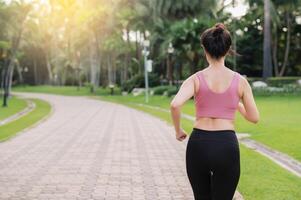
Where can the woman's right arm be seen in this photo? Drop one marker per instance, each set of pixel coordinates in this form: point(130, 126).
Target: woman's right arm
point(248, 106)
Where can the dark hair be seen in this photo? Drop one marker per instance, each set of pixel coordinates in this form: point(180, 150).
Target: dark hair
point(217, 41)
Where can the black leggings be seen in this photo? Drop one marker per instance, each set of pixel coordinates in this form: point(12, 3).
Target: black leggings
point(213, 164)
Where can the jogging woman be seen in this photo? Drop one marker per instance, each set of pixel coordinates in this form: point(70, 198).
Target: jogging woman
point(212, 153)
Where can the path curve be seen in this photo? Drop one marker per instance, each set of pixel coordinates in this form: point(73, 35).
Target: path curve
point(30, 107)
point(89, 149)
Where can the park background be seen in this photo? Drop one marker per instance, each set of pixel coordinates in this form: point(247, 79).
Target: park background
point(113, 50)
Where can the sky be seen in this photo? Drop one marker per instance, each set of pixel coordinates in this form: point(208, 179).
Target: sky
point(239, 10)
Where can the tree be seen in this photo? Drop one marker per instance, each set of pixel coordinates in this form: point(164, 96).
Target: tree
point(15, 15)
point(267, 56)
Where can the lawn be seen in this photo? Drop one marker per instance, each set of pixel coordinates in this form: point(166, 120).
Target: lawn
point(64, 90)
point(15, 105)
point(41, 110)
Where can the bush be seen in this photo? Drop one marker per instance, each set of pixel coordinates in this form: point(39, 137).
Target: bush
point(137, 81)
point(71, 81)
point(277, 81)
point(172, 91)
point(288, 89)
point(159, 90)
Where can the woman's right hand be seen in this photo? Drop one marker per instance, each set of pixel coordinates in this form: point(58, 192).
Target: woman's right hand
point(241, 109)
point(181, 135)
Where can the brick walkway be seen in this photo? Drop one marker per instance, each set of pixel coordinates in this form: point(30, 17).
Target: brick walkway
point(90, 149)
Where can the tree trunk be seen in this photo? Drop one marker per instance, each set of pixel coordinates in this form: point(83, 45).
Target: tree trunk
point(267, 58)
point(2, 78)
point(195, 62)
point(114, 67)
point(128, 55)
point(5, 83)
point(35, 71)
point(19, 72)
point(275, 59)
point(93, 63)
point(10, 74)
point(287, 45)
point(169, 70)
point(109, 67)
point(180, 70)
point(98, 58)
point(48, 65)
point(138, 53)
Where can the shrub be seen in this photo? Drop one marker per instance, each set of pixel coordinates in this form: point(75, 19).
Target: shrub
point(159, 90)
point(137, 81)
point(172, 91)
point(288, 89)
point(277, 81)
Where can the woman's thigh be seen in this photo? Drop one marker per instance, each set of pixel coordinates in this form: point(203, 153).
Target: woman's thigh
point(226, 172)
point(213, 164)
point(198, 171)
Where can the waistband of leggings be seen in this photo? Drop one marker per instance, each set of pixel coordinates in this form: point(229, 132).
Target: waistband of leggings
point(214, 131)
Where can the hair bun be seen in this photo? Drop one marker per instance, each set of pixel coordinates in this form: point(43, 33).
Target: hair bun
point(219, 29)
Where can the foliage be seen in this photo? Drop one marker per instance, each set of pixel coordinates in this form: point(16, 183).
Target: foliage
point(288, 89)
point(172, 91)
point(160, 90)
point(102, 40)
point(137, 81)
point(277, 81)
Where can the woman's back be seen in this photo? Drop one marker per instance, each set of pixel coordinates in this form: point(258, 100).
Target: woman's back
point(215, 110)
point(217, 95)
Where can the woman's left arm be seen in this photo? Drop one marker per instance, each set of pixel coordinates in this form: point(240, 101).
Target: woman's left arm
point(186, 92)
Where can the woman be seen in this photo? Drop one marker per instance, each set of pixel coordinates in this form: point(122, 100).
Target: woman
point(212, 153)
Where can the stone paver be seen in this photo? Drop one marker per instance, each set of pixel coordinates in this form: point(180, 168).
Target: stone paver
point(90, 149)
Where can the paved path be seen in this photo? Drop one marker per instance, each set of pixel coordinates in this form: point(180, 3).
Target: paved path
point(90, 149)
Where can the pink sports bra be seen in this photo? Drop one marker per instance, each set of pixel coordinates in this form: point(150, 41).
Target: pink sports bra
point(216, 105)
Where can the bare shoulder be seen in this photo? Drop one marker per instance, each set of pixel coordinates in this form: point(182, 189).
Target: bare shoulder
point(243, 80)
point(194, 80)
point(191, 78)
point(242, 84)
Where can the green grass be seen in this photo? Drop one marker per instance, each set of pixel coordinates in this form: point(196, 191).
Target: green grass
point(64, 90)
point(11, 129)
point(260, 177)
point(279, 125)
point(15, 105)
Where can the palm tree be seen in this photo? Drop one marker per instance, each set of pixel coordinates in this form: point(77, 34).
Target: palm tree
point(267, 56)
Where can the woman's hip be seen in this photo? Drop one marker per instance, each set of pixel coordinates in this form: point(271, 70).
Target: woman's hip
point(225, 136)
point(213, 146)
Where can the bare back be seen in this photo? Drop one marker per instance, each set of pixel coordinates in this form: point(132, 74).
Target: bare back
point(218, 81)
